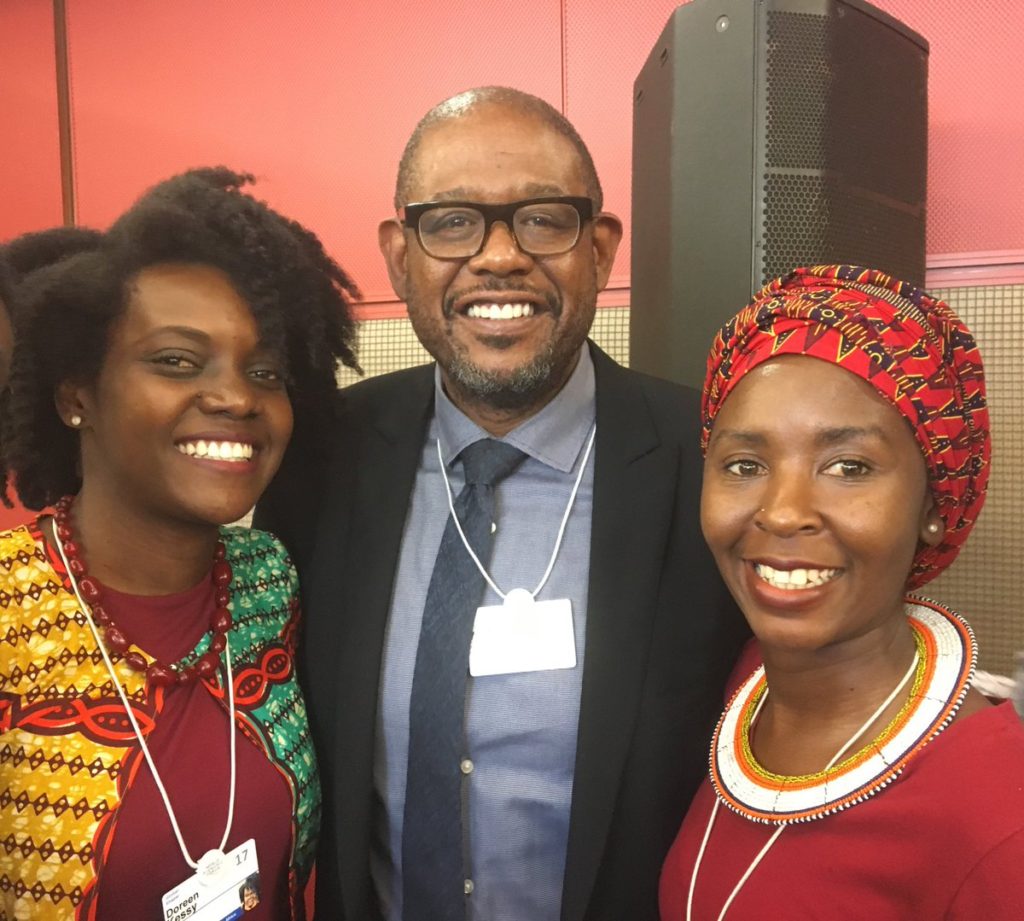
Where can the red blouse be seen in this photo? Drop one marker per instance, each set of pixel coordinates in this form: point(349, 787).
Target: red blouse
point(944, 841)
point(190, 748)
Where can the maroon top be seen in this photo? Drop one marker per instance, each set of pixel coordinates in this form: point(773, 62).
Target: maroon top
point(190, 748)
point(945, 840)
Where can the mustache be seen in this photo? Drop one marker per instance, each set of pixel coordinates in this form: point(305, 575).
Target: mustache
point(549, 299)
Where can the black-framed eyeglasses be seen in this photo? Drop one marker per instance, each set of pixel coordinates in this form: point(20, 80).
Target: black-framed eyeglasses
point(458, 229)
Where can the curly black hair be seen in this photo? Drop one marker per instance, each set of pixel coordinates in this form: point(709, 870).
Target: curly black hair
point(40, 248)
point(300, 298)
point(6, 280)
point(6, 320)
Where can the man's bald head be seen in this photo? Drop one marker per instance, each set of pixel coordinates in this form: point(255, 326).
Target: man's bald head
point(501, 97)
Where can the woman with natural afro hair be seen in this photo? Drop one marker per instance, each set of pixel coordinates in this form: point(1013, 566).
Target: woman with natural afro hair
point(147, 688)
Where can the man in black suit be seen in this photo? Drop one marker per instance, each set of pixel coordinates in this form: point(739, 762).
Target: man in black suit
point(574, 778)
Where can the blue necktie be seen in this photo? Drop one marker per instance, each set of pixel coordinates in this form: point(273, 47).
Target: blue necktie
point(433, 868)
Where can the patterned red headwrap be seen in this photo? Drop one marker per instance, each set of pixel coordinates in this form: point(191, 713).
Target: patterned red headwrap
point(913, 349)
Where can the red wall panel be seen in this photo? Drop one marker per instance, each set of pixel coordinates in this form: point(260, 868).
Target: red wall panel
point(605, 47)
point(315, 97)
point(975, 122)
point(30, 188)
point(30, 191)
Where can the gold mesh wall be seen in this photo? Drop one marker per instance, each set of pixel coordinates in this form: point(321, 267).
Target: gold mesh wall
point(986, 584)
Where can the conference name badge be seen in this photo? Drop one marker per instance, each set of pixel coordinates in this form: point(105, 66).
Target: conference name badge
point(522, 635)
point(222, 896)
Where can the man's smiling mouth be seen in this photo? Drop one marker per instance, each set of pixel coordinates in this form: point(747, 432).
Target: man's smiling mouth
point(493, 311)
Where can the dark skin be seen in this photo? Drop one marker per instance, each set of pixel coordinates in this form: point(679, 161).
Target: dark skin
point(812, 713)
point(497, 154)
point(185, 366)
point(815, 502)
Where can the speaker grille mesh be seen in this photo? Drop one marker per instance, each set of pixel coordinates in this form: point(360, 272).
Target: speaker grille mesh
point(817, 219)
point(799, 81)
point(843, 155)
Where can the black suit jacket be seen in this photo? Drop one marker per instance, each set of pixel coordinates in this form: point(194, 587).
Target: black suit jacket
point(662, 632)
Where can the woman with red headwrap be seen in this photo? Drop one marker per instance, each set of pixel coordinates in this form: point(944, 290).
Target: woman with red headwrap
point(846, 457)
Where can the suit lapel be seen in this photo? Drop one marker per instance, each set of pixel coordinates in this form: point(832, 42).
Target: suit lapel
point(378, 470)
point(634, 481)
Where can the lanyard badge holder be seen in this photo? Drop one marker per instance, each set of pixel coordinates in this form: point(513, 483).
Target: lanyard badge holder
point(217, 890)
point(522, 634)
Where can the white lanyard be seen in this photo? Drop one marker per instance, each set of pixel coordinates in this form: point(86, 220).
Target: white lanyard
point(775, 835)
point(211, 859)
point(561, 529)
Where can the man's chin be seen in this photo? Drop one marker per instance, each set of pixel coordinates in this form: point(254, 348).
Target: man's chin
point(505, 388)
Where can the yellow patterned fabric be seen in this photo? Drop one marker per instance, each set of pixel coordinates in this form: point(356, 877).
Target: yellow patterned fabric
point(64, 734)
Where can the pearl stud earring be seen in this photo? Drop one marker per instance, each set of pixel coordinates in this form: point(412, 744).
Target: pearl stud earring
point(76, 420)
point(933, 527)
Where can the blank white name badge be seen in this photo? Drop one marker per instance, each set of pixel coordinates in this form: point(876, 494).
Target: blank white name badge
point(224, 891)
point(522, 635)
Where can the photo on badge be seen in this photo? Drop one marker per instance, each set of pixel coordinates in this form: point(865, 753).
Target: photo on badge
point(249, 892)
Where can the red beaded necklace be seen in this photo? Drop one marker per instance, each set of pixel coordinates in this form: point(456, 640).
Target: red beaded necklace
point(157, 672)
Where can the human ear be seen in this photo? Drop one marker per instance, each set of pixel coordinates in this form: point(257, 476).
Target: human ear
point(73, 404)
point(606, 236)
point(933, 528)
point(395, 249)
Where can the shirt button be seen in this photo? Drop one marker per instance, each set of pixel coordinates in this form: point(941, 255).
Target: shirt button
point(467, 887)
point(466, 766)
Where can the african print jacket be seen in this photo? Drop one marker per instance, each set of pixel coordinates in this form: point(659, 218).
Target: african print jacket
point(67, 749)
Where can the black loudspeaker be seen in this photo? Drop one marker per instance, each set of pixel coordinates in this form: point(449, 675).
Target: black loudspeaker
point(769, 134)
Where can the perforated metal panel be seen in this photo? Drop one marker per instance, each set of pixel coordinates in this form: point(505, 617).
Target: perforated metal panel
point(986, 583)
point(843, 142)
point(798, 87)
point(815, 219)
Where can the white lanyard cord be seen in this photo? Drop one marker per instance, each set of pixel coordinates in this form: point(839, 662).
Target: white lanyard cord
point(714, 809)
point(138, 732)
point(561, 529)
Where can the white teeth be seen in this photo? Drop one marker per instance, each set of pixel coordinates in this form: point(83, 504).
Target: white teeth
point(794, 579)
point(231, 451)
point(499, 311)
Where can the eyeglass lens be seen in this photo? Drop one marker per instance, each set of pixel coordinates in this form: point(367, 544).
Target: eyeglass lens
point(540, 229)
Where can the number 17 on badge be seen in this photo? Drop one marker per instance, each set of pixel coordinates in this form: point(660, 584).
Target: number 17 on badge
point(224, 896)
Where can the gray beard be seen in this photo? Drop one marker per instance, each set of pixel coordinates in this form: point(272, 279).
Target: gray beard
point(518, 389)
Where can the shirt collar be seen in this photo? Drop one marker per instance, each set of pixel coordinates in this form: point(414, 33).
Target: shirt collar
point(555, 436)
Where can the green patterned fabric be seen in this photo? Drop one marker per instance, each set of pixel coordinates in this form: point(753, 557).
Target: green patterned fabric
point(54, 692)
point(265, 609)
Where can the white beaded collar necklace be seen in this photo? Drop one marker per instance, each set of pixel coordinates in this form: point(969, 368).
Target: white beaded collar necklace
point(947, 657)
point(942, 669)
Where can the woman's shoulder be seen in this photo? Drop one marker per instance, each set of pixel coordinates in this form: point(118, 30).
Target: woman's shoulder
point(975, 768)
point(14, 540)
point(991, 731)
point(251, 547)
point(258, 561)
point(22, 555)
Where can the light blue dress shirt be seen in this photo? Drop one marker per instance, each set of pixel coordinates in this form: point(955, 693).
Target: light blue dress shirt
point(520, 729)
